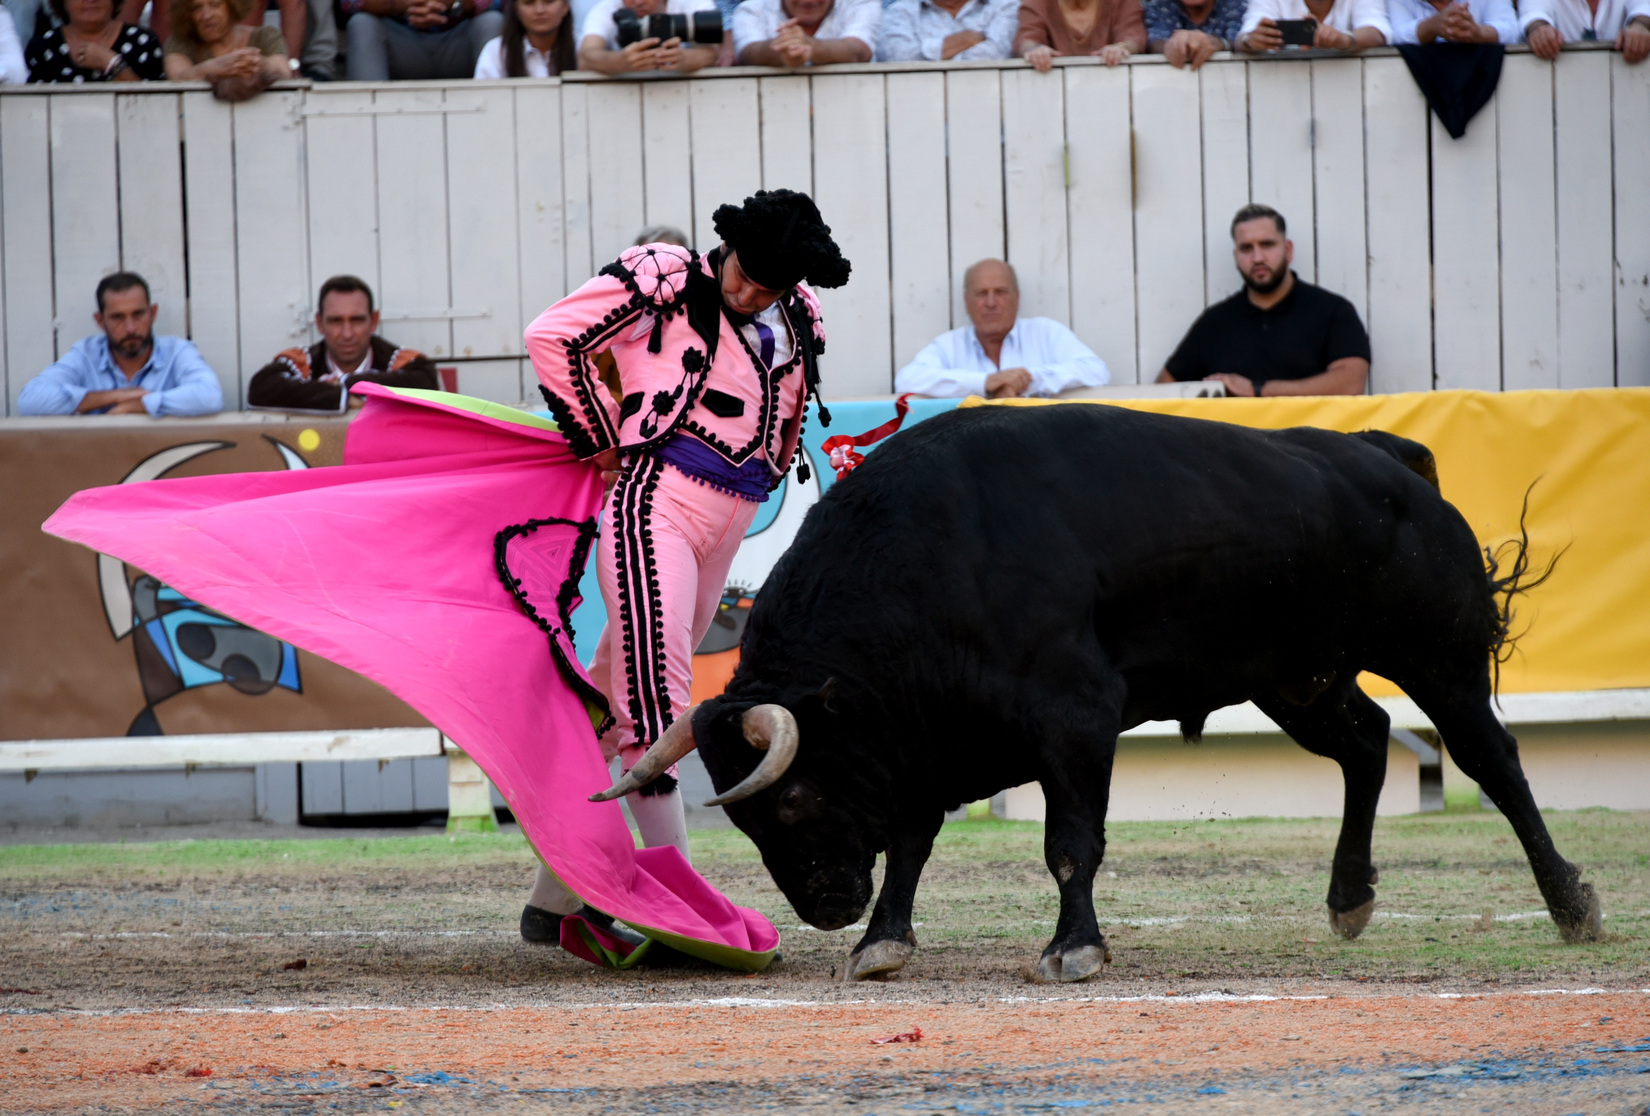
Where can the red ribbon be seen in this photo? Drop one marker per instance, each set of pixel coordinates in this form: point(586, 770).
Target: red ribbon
point(845, 458)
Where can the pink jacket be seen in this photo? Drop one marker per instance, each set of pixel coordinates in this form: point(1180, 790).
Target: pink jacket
point(654, 308)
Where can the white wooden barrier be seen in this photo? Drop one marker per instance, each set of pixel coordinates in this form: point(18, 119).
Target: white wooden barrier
point(1517, 257)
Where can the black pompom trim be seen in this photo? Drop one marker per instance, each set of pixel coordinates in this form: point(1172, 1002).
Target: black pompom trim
point(564, 600)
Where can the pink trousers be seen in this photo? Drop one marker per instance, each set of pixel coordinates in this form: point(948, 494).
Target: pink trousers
point(666, 545)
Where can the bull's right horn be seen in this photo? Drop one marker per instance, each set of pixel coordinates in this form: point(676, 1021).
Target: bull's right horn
point(676, 742)
point(771, 729)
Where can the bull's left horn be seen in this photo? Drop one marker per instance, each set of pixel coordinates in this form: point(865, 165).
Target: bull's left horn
point(672, 746)
point(770, 729)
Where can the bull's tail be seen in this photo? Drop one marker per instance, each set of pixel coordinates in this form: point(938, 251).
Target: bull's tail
point(1514, 554)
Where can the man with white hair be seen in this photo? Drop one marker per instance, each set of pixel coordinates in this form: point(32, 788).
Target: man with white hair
point(1000, 353)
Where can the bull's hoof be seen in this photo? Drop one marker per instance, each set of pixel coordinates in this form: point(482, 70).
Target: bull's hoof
point(878, 960)
point(1588, 928)
point(1349, 924)
point(1071, 965)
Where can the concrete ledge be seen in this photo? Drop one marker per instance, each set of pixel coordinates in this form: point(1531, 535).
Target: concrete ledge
point(218, 749)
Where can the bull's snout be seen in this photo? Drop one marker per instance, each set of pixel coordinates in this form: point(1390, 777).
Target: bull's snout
point(834, 910)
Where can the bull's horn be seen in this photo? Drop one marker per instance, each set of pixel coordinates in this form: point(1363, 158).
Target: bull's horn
point(672, 746)
point(770, 729)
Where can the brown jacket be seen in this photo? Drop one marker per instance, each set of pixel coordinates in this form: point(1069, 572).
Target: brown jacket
point(295, 378)
point(1042, 23)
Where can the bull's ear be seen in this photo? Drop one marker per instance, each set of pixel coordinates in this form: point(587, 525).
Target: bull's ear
point(826, 693)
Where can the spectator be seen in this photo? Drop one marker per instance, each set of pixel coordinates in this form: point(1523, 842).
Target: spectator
point(1279, 335)
point(293, 22)
point(398, 40)
point(1000, 353)
point(349, 352)
point(1342, 24)
point(794, 33)
point(25, 15)
point(93, 45)
point(599, 48)
point(1189, 34)
point(209, 43)
point(126, 369)
point(1549, 24)
point(537, 42)
point(940, 30)
point(1050, 29)
point(13, 70)
point(1452, 21)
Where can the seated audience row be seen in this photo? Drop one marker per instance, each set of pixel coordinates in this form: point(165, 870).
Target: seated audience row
point(127, 370)
point(1279, 335)
point(225, 43)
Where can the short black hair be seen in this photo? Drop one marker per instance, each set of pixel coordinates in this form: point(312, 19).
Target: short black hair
point(121, 281)
point(344, 284)
point(1254, 212)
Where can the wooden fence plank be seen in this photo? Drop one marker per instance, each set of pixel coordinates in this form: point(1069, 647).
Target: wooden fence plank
point(576, 185)
point(26, 239)
point(1338, 167)
point(342, 172)
point(1529, 237)
point(1465, 256)
point(151, 202)
point(1280, 152)
point(727, 137)
point(974, 146)
point(85, 218)
point(1630, 95)
point(1100, 215)
point(1224, 87)
point(541, 212)
point(1034, 173)
point(499, 380)
point(413, 244)
point(1168, 183)
point(617, 202)
point(851, 187)
point(667, 159)
point(918, 229)
point(1400, 266)
point(787, 132)
point(1586, 232)
point(481, 221)
point(271, 250)
point(209, 193)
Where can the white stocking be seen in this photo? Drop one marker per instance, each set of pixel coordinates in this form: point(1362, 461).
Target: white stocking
point(660, 818)
point(550, 895)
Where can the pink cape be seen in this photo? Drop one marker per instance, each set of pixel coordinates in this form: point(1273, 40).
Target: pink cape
point(390, 565)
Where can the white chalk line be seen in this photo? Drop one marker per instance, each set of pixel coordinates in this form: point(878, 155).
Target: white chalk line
point(1197, 998)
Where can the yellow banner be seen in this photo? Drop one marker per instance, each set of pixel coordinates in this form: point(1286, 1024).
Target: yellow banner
point(1588, 454)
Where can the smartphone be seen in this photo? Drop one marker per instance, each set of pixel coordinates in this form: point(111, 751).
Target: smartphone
point(1297, 32)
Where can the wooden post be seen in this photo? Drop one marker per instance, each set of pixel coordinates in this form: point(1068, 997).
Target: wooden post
point(469, 795)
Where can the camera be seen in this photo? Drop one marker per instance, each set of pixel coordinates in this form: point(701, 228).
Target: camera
point(693, 27)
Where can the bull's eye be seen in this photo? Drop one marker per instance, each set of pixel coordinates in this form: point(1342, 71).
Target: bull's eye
point(796, 803)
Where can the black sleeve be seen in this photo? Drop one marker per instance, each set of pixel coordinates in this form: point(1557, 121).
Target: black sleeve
point(143, 54)
point(1346, 336)
point(277, 385)
point(35, 56)
point(419, 372)
point(1190, 361)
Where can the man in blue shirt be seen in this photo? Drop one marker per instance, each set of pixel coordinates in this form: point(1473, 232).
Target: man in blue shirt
point(1000, 353)
point(126, 370)
point(1190, 32)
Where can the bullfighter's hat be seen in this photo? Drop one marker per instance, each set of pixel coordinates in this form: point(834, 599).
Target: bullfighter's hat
point(781, 239)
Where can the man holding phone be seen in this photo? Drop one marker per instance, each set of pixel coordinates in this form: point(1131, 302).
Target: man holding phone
point(1348, 25)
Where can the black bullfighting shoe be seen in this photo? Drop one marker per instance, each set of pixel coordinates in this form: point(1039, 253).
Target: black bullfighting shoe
point(543, 927)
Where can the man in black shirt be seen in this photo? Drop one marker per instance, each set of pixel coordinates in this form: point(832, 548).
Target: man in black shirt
point(1279, 335)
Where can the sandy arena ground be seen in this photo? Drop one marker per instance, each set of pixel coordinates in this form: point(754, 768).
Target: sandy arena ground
point(132, 982)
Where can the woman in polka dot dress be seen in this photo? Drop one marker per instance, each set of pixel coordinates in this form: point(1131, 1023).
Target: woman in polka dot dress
point(93, 45)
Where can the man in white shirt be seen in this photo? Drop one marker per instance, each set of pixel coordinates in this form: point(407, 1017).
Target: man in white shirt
point(793, 33)
point(1342, 24)
point(1549, 24)
point(1453, 21)
point(599, 48)
point(1001, 354)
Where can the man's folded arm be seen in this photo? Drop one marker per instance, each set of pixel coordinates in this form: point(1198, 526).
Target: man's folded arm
point(197, 392)
point(53, 392)
point(927, 374)
point(1074, 365)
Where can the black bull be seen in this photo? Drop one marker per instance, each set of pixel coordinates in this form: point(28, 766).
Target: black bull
point(998, 592)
